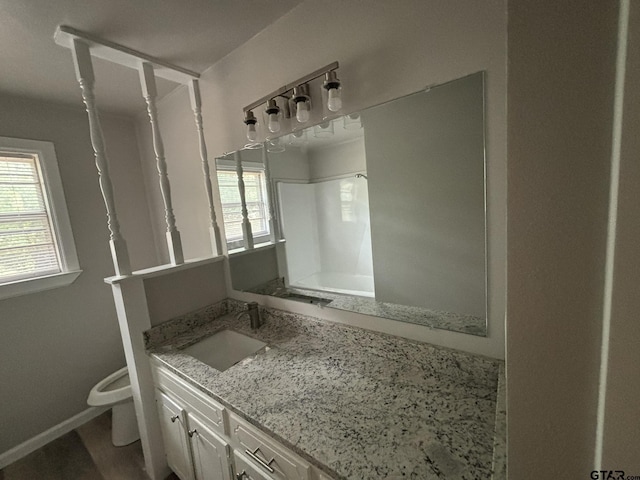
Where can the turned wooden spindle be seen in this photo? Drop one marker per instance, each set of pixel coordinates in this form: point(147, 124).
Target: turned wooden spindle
point(149, 92)
point(196, 106)
point(274, 231)
point(84, 73)
point(247, 234)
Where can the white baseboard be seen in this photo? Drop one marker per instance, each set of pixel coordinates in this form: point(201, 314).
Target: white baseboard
point(40, 440)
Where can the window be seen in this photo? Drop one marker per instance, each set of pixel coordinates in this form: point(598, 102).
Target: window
point(257, 206)
point(37, 251)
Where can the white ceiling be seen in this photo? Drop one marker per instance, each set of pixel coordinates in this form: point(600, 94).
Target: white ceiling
point(190, 33)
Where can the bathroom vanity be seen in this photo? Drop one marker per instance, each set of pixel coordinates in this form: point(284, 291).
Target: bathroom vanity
point(321, 401)
point(200, 435)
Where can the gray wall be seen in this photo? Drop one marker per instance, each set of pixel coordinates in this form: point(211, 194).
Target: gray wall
point(560, 97)
point(55, 345)
point(184, 291)
point(338, 159)
point(292, 164)
point(425, 160)
point(252, 269)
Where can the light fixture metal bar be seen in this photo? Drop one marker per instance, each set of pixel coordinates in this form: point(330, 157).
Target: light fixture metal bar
point(282, 90)
point(276, 93)
point(116, 53)
point(313, 75)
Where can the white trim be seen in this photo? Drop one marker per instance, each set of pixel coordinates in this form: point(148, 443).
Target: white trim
point(616, 145)
point(40, 440)
point(121, 55)
point(230, 165)
point(239, 244)
point(238, 252)
point(38, 284)
point(166, 269)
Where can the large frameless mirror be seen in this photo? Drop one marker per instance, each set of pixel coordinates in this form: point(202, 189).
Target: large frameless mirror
point(379, 212)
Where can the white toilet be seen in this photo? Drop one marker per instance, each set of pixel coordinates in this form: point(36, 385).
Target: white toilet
point(115, 391)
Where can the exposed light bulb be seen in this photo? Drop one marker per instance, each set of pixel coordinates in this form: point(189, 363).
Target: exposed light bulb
point(332, 86)
point(250, 121)
point(302, 112)
point(334, 101)
point(274, 123)
point(252, 135)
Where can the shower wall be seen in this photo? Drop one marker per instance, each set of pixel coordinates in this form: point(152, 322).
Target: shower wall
point(299, 225)
point(326, 222)
point(344, 234)
point(326, 225)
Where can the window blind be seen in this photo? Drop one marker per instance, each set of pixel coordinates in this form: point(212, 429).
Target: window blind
point(27, 243)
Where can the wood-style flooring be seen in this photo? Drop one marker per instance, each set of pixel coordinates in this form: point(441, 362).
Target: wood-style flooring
point(82, 454)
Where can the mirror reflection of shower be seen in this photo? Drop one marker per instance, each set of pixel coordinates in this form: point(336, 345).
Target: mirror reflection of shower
point(334, 253)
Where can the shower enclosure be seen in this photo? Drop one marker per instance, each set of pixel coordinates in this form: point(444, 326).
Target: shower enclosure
point(328, 234)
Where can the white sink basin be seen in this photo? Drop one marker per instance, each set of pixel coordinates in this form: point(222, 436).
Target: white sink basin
point(224, 349)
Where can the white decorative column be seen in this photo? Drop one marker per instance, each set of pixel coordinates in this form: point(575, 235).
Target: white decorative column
point(274, 233)
point(247, 234)
point(149, 92)
point(86, 79)
point(196, 106)
point(133, 316)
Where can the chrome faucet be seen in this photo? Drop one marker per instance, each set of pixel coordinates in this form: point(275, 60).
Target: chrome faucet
point(254, 315)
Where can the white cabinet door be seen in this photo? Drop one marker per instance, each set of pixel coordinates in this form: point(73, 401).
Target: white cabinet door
point(210, 452)
point(172, 420)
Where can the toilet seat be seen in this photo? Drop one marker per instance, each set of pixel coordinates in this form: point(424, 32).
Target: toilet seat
point(113, 389)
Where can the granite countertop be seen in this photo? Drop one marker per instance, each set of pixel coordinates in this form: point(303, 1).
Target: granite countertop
point(356, 403)
point(455, 322)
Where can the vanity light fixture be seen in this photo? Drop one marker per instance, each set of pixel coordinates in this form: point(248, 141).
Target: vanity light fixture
point(297, 100)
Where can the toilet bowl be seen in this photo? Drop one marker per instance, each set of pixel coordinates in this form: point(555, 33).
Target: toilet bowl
point(115, 391)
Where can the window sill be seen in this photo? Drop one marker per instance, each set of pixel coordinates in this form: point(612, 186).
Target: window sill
point(261, 246)
point(39, 284)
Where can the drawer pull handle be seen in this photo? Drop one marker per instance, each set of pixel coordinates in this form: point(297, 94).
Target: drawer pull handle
point(174, 418)
point(266, 465)
point(241, 475)
point(192, 432)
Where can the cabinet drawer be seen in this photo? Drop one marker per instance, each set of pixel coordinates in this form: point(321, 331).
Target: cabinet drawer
point(214, 413)
point(244, 469)
point(264, 453)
